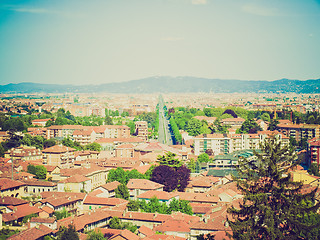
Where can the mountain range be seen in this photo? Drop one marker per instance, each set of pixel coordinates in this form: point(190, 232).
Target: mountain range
point(165, 84)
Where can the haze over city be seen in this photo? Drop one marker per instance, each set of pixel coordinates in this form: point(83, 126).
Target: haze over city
point(81, 42)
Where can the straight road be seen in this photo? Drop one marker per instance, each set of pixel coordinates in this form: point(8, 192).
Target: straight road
point(164, 130)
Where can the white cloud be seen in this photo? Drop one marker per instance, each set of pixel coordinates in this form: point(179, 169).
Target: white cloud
point(199, 2)
point(172, 39)
point(260, 10)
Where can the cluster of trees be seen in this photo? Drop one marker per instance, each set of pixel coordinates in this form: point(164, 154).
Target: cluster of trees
point(61, 214)
point(171, 173)
point(175, 131)
point(38, 170)
point(123, 176)
point(73, 144)
point(273, 207)
point(249, 126)
point(116, 223)
point(154, 205)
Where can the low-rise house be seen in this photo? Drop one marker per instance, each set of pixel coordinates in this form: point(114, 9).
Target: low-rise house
point(174, 227)
point(35, 233)
point(125, 150)
point(97, 175)
point(11, 188)
point(40, 122)
point(53, 173)
point(10, 201)
point(35, 187)
point(198, 198)
point(75, 183)
point(16, 214)
point(24, 153)
point(139, 186)
point(85, 155)
point(92, 203)
point(58, 201)
point(107, 190)
point(165, 197)
point(84, 136)
point(125, 235)
point(48, 222)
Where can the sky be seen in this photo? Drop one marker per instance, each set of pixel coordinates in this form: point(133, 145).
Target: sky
point(101, 41)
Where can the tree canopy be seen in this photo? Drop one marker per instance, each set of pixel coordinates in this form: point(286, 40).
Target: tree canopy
point(273, 207)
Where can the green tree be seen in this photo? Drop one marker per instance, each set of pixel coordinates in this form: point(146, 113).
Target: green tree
point(203, 157)
point(273, 124)
point(205, 237)
point(115, 223)
point(265, 117)
point(249, 126)
point(122, 192)
point(314, 169)
point(272, 206)
point(69, 233)
point(41, 172)
point(61, 214)
point(108, 120)
point(133, 205)
point(191, 165)
point(95, 235)
point(193, 127)
point(169, 160)
point(93, 147)
point(117, 175)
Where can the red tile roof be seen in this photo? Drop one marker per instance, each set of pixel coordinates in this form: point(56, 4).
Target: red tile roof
point(104, 201)
point(75, 179)
point(144, 184)
point(111, 186)
point(173, 226)
point(19, 211)
point(58, 149)
point(32, 233)
point(126, 234)
point(6, 183)
point(7, 201)
point(161, 195)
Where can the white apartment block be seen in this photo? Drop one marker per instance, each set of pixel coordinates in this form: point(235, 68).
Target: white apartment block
point(228, 143)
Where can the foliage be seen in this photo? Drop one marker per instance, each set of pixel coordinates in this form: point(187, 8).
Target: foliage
point(191, 165)
point(154, 205)
point(67, 233)
point(115, 223)
point(93, 147)
point(62, 214)
point(203, 157)
point(249, 126)
point(175, 131)
point(39, 171)
point(171, 173)
point(265, 117)
point(230, 112)
point(28, 217)
point(15, 124)
point(108, 120)
point(273, 205)
point(95, 235)
point(124, 176)
point(169, 160)
point(314, 169)
point(6, 233)
point(205, 237)
point(273, 124)
point(13, 141)
point(122, 192)
point(193, 127)
point(36, 141)
point(69, 143)
point(49, 143)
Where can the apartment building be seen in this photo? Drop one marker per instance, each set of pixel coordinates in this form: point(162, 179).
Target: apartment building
point(142, 130)
point(59, 156)
point(234, 123)
point(314, 150)
point(300, 131)
point(62, 131)
point(228, 143)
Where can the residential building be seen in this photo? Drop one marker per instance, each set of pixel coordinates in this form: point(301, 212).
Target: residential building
point(58, 155)
point(139, 186)
point(234, 123)
point(300, 131)
point(76, 183)
point(11, 188)
point(141, 130)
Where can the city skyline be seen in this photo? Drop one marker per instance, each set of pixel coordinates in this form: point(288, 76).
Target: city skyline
point(77, 42)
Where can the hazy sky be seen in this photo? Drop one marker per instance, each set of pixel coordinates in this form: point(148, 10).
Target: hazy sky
point(100, 41)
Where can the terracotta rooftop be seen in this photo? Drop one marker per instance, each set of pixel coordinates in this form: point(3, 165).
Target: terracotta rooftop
point(19, 211)
point(58, 149)
point(143, 184)
point(104, 201)
point(42, 220)
point(173, 226)
point(75, 179)
point(6, 183)
point(7, 201)
point(111, 186)
point(161, 195)
point(125, 234)
point(32, 233)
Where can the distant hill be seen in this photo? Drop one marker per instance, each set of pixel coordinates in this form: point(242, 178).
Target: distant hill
point(173, 85)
